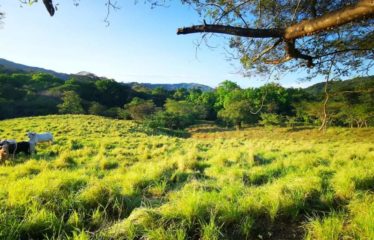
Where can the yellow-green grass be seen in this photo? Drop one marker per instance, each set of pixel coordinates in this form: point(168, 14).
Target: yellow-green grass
point(108, 179)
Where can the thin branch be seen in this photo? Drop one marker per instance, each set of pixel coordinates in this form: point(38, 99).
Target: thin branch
point(344, 51)
point(279, 61)
point(266, 50)
point(109, 5)
point(327, 97)
point(296, 9)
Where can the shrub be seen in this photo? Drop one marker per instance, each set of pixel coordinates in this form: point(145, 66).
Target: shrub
point(140, 109)
point(169, 120)
point(236, 113)
point(270, 119)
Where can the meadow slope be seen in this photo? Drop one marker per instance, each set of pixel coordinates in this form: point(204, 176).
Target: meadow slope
point(109, 179)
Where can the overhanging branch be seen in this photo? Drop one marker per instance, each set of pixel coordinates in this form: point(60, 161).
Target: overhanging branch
point(49, 6)
point(230, 30)
point(363, 9)
point(295, 53)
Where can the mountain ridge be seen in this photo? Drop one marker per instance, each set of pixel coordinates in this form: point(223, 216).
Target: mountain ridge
point(88, 75)
point(25, 68)
point(314, 89)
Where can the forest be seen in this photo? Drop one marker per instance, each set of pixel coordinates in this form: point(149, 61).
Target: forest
point(351, 102)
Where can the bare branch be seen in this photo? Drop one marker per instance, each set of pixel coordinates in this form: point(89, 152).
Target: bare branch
point(49, 6)
point(230, 30)
point(266, 50)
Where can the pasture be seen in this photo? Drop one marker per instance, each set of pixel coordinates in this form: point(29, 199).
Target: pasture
point(109, 179)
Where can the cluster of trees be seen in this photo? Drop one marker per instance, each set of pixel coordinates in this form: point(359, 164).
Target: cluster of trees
point(350, 105)
point(26, 94)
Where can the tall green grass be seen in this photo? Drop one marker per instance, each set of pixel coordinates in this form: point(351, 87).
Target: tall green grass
point(111, 179)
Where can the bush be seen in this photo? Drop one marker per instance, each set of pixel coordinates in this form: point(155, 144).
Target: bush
point(270, 119)
point(237, 113)
point(140, 109)
point(117, 112)
point(163, 119)
point(96, 109)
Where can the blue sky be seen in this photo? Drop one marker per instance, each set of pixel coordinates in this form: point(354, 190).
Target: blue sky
point(139, 45)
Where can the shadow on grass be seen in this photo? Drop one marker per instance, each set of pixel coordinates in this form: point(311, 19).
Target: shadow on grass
point(259, 159)
point(210, 130)
point(302, 128)
point(289, 223)
point(160, 131)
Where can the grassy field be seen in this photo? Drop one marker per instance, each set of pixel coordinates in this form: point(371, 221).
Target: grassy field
point(109, 179)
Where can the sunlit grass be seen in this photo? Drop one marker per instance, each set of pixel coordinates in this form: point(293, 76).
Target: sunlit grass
point(108, 179)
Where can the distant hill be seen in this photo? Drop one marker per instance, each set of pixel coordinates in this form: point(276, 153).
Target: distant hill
point(359, 83)
point(20, 67)
point(316, 89)
point(87, 76)
point(84, 76)
point(174, 86)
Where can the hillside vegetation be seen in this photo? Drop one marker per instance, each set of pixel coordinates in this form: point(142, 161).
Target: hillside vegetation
point(22, 94)
point(109, 179)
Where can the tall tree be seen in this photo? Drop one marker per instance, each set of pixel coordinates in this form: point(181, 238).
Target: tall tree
point(237, 113)
point(71, 103)
point(140, 109)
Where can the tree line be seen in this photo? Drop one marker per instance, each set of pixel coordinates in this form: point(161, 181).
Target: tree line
point(29, 94)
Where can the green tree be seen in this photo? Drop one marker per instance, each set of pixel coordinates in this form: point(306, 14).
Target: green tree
point(357, 115)
point(72, 103)
point(236, 113)
point(180, 94)
point(163, 119)
point(185, 109)
point(112, 93)
point(41, 81)
point(140, 109)
point(276, 99)
point(204, 103)
point(96, 109)
point(159, 96)
point(223, 91)
point(177, 115)
point(270, 119)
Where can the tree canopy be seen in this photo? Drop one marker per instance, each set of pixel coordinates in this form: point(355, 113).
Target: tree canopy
point(29, 94)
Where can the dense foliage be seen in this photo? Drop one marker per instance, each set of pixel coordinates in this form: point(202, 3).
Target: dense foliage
point(28, 94)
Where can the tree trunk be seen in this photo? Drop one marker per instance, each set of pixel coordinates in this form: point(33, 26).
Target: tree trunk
point(238, 125)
